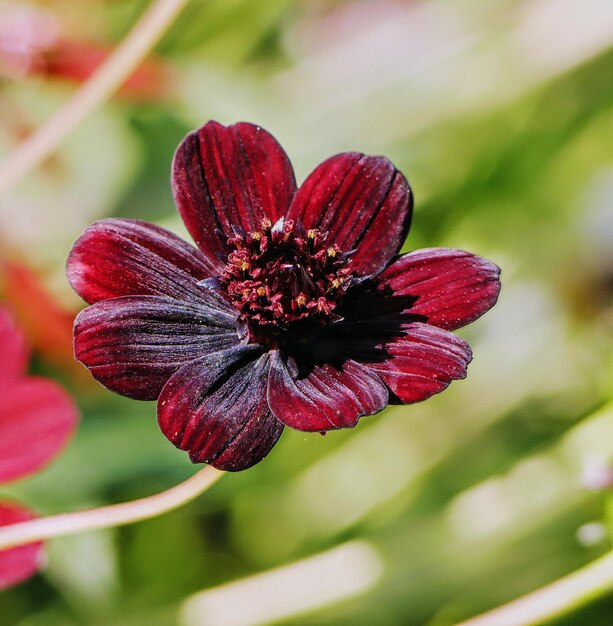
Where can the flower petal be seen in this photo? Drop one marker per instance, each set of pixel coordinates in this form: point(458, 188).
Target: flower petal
point(328, 397)
point(448, 288)
point(364, 202)
point(36, 419)
point(121, 257)
point(13, 348)
point(133, 345)
point(422, 362)
point(18, 564)
point(230, 177)
point(216, 409)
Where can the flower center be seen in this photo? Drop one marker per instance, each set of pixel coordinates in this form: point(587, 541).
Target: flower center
point(280, 275)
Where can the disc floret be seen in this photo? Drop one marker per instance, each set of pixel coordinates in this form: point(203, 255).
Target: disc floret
point(282, 274)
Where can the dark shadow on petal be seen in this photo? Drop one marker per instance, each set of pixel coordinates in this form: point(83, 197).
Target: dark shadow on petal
point(369, 300)
point(380, 333)
point(423, 362)
point(327, 398)
point(370, 319)
point(452, 288)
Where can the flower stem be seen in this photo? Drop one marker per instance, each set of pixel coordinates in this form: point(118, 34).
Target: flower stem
point(555, 600)
point(148, 30)
point(109, 516)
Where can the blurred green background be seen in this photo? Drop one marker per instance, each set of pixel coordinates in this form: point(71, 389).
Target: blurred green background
point(500, 114)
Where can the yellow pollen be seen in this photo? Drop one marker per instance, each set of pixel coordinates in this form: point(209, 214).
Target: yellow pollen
point(257, 236)
point(301, 301)
point(311, 234)
point(331, 252)
point(266, 224)
point(244, 266)
point(261, 292)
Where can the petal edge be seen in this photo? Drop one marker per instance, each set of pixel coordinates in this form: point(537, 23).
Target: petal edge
point(446, 287)
point(422, 362)
point(327, 398)
point(365, 204)
point(216, 409)
point(226, 177)
point(37, 418)
point(121, 257)
point(134, 344)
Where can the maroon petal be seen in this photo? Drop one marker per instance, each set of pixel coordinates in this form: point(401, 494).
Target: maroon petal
point(364, 202)
point(120, 257)
point(18, 564)
point(216, 409)
point(230, 177)
point(422, 362)
point(133, 345)
point(13, 348)
point(36, 419)
point(449, 288)
point(327, 398)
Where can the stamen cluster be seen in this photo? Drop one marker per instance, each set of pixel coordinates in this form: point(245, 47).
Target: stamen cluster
point(282, 274)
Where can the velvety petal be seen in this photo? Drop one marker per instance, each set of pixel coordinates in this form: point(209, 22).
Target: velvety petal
point(36, 419)
point(421, 362)
point(227, 177)
point(216, 409)
point(133, 345)
point(447, 288)
point(364, 202)
point(13, 348)
point(18, 564)
point(120, 257)
point(328, 397)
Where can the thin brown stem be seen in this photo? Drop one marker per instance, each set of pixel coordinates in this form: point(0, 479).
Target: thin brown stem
point(126, 58)
point(109, 516)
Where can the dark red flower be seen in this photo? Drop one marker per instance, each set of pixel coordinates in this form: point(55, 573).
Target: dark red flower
point(36, 419)
point(294, 310)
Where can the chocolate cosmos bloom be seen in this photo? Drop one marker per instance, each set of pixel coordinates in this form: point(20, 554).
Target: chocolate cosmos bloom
point(294, 309)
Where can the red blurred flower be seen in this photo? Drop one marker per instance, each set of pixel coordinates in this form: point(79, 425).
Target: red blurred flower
point(293, 311)
point(36, 419)
point(47, 324)
point(33, 42)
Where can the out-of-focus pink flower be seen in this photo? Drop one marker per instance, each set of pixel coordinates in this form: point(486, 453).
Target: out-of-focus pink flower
point(33, 42)
point(37, 418)
point(25, 32)
point(597, 474)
